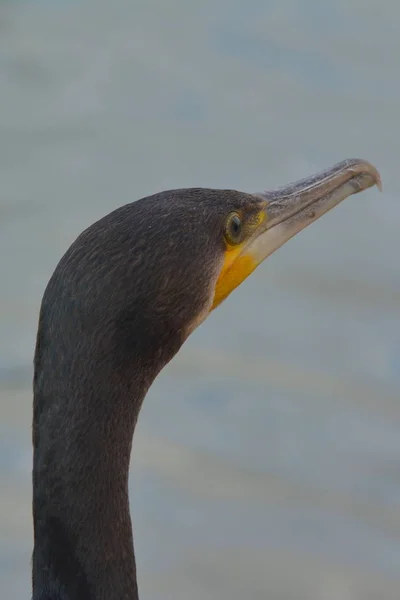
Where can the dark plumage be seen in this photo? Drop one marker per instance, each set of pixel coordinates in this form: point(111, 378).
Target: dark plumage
point(118, 307)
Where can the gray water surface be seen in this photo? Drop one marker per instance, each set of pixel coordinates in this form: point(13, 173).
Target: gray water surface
point(267, 457)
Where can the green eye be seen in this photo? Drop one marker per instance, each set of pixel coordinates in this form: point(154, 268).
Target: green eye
point(234, 229)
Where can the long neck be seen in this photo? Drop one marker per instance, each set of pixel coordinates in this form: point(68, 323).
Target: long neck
point(82, 434)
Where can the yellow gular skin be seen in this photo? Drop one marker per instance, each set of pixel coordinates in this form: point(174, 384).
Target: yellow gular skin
point(234, 270)
point(238, 263)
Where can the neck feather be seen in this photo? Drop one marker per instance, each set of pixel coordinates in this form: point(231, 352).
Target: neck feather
point(82, 436)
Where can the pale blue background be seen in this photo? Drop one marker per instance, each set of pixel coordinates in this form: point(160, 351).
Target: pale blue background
point(267, 457)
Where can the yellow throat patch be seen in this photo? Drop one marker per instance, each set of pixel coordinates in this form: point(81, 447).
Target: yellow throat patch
point(236, 267)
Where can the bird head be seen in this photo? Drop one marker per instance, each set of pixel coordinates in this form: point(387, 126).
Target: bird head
point(136, 283)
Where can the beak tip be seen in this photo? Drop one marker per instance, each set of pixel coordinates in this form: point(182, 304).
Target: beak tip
point(372, 171)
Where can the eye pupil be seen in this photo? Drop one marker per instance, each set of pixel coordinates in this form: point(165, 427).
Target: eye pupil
point(235, 225)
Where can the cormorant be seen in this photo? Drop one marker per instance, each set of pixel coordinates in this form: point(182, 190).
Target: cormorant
point(118, 307)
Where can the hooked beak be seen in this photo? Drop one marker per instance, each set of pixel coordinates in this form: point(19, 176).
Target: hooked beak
point(286, 211)
point(291, 208)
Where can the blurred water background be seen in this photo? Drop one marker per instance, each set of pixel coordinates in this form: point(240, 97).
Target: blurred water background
point(275, 470)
